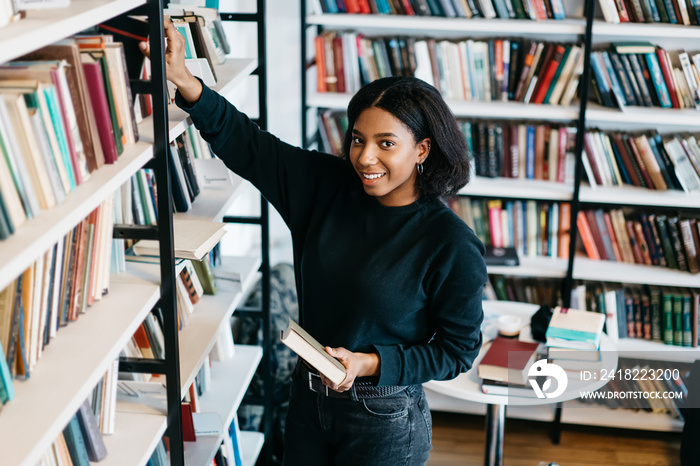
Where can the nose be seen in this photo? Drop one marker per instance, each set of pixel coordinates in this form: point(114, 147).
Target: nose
point(367, 156)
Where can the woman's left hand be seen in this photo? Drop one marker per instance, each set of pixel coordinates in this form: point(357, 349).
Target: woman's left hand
point(356, 365)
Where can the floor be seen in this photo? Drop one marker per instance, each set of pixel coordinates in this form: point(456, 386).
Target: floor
point(458, 439)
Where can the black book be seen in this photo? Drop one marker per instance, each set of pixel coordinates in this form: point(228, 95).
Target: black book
point(623, 79)
point(651, 243)
point(648, 80)
point(666, 243)
point(666, 170)
point(639, 80)
point(513, 68)
point(675, 235)
point(420, 7)
point(501, 256)
point(187, 167)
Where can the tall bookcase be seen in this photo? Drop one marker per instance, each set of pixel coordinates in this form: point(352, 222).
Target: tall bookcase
point(76, 360)
point(589, 30)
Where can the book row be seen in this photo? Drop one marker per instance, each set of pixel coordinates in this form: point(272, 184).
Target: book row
point(645, 160)
point(685, 12)
point(466, 70)
point(640, 238)
point(524, 290)
point(675, 383)
point(533, 228)
point(644, 75)
point(65, 111)
point(503, 9)
point(521, 150)
point(60, 286)
point(662, 314)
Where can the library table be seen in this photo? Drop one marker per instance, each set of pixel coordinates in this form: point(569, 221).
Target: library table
point(467, 386)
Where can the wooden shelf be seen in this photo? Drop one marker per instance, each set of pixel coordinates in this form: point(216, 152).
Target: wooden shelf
point(621, 272)
point(212, 203)
point(251, 445)
point(198, 337)
point(135, 438)
point(229, 382)
point(44, 27)
point(649, 117)
point(516, 188)
point(71, 365)
point(230, 74)
point(39, 234)
point(644, 31)
point(542, 267)
point(633, 195)
point(468, 109)
point(441, 26)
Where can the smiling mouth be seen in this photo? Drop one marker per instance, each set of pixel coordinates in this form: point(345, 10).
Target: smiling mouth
point(372, 176)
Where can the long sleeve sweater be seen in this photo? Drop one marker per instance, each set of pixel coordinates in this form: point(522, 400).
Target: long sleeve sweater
point(404, 282)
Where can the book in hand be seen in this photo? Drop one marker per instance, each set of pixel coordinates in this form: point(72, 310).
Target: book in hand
point(507, 360)
point(311, 351)
point(575, 329)
point(501, 256)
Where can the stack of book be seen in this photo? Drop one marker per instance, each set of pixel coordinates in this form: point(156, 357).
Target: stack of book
point(650, 11)
point(504, 367)
point(573, 340)
point(650, 239)
point(645, 160)
point(467, 70)
point(502, 9)
point(645, 75)
point(533, 228)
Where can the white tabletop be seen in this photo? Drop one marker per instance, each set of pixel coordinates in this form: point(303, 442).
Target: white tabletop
point(467, 386)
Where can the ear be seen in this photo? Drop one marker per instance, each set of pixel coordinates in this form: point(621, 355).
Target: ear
point(423, 150)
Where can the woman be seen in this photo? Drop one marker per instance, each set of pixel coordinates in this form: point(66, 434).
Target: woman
point(387, 276)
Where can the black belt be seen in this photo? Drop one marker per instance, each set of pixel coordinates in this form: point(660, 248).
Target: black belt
point(362, 390)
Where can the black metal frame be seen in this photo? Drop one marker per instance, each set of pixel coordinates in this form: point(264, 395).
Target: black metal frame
point(266, 457)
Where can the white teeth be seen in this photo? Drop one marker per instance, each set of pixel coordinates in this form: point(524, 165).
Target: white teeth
point(373, 176)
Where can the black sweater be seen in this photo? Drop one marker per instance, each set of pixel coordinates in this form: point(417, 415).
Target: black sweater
point(405, 282)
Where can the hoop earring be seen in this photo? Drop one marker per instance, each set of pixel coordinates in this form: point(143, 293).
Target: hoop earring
point(419, 167)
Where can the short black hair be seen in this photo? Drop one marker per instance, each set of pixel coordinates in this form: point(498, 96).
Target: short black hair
point(419, 106)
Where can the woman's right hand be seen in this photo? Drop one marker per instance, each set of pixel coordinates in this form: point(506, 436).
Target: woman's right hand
point(175, 68)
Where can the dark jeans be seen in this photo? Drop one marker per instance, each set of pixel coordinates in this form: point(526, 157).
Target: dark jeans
point(389, 431)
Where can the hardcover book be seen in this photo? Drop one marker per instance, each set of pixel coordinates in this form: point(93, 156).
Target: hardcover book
point(311, 351)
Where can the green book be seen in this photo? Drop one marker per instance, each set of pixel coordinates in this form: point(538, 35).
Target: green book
point(205, 275)
point(112, 106)
point(6, 226)
point(687, 319)
point(59, 129)
point(76, 443)
point(667, 313)
point(656, 314)
point(677, 319)
point(555, 78)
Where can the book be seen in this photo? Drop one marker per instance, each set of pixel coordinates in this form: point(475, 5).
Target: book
point(192, 239)
point(507, 360)
point(501, 256)
point(96, 449)
point(575, 329)
point(311, 351)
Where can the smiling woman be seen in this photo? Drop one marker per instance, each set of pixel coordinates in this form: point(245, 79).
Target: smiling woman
point(387, 275)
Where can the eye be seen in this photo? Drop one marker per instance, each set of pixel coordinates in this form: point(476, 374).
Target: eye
point(356, 140)
point(386, 144)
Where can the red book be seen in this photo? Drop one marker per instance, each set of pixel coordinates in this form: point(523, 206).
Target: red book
point(338, 61)
point(320, 65)
point(352, 6)
point(188, 434)
point(546, 80)
point(507, 360)
point(668, 77)
point(98, 97)
point(640, 163)
point(613, 239)
point(408, 8)
point(588, 149)
point(629, 167)
point(584, 230)
point(636, 251)
point(622, 11)
point(561, 162)
point(364, 6)
point(597, 235)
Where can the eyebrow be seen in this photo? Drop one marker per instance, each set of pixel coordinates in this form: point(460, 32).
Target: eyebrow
point(378, 135)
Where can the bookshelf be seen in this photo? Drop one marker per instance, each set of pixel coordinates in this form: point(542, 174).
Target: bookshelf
point(591, 32)
point(76, 360)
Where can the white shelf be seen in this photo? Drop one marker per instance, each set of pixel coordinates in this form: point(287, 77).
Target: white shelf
point(251, 444)
point(622, 272)
point(518, 189)
point(37, 235)
point(440, 25)
point(651, 117)
point(135, 438)
point(230, 74)
point(42, 28)
point(575, 412)
point(634, 195)
point(198, 337)
point(645, 31)
point(542, 267)
point(212, 203)
point(654, 350)
point(230, 380)
point(69, 368)
point(468, 109)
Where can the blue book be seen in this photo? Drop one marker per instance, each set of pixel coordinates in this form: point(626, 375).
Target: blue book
point(671, 12)
point(331, 6)
point(511, 232)
point(383, 7)
point(657, 78)
point(530, 153)
point(603, 88)
point(7, 390)
point(76, 443)
point(616, 88)
point(655, 16)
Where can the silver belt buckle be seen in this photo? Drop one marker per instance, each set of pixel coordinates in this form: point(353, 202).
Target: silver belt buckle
point(311, 385)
